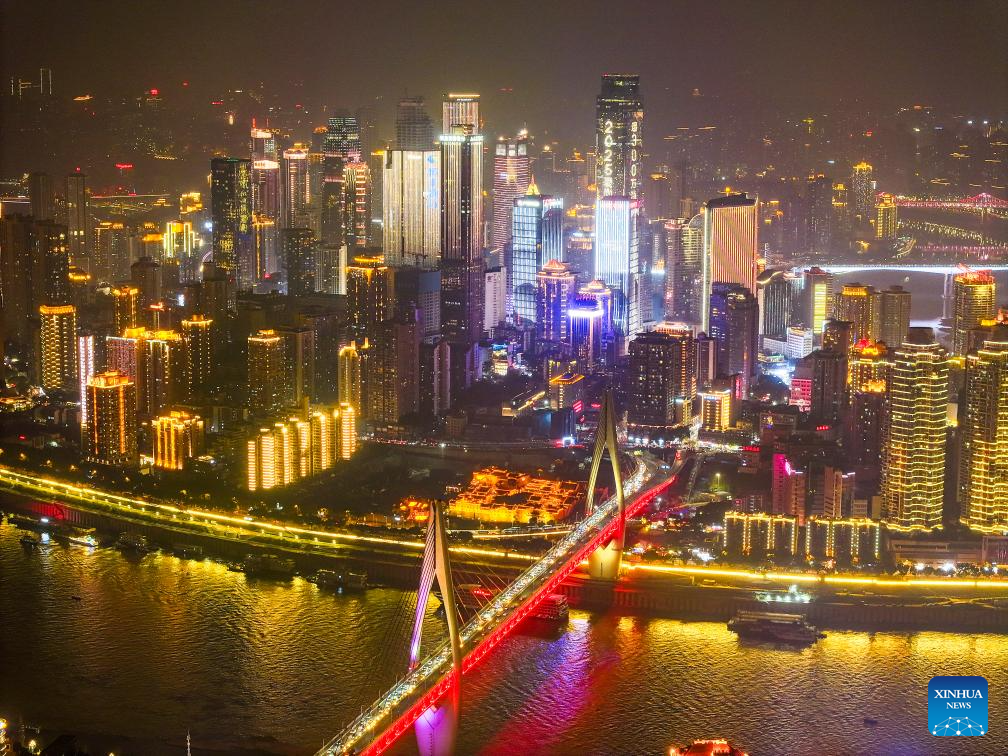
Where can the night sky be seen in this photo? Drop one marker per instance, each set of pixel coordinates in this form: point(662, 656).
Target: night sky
point(788, 55)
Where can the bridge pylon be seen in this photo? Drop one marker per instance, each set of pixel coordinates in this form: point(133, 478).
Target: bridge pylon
point(437, 728)
point(604, 563)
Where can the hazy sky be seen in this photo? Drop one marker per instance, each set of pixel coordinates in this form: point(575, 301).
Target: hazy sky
point(550, 54)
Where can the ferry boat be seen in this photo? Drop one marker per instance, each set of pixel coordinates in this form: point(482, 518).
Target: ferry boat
point(269, 565)
point(133, 542)
point(553, 608)
point(775, 626)
point(83, 539)
point(711, 747)
point(187, 551)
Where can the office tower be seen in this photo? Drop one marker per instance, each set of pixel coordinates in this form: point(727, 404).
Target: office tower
point(511, 178)
point(369, 295)
point(659, 196)
point(112, 251)
point(298, 365)
point(357, 204)
point(347, 431)
point(266, 379)
point(296, 188)
point(838, 336)
point(870, 364)
point(122, 353)
point(78, 220)
point(536, 237)
point(618, 134)
point(859, 305)
point(198, 335)
point(983, 463)
point(864, 430)
point(886, 222)
point(862, 192)
point(343, 139)
point(973, 301)
point(125, 307)
point(777, 290)
point(267, 203)
point(145, 275)
point(411, 208)
point(817, 296)
point(178, 436)
point(730, 240)
point(461, 241)
point(706, 360)
point(460, 109)
point(913, 466)
point(40, 195)
point(34, 265)
point(415, 289)
point(827, 392)
point(162, 372)
point(393, 372)
point(819, 215)
point(297, 246)
point(494, 297)
point(585, 316)
point(414, 128)
point(555, 287)
point(231, 211)
point(717, 407)
point(179, 240)
point(85, 372)
point(349, 375)
point(661, 383)
point(684, 270)
point(734, 325)
point(58, 333)
point(617, 262)
point(111, 419)
point(894, 315)
point(265, 258)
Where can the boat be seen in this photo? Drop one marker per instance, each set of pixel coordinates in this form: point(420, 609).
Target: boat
point(133, 542)
point(553, 608)
point(29, 541)
point(269, 565)
point(342, 581)
point(187, 551)
point(709, 747)
point(870, 721)
point(83, 539)
point(775, 626)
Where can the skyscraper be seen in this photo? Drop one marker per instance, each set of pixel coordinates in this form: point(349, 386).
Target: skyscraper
point(369, 295)
point(85, 372)
point(231, 208)
point(178, 436)
point(266, 365)
point(555, 289)
point(914, 459)
point(973, 301)
point(34, 264)
point(983, 463)
point(197, 333)
point(298, 246)
point(617, 262)
point(859, 305)
point(818, 220)
point(886, 223)
point(734, 325)
point(661, 383)
point(58, 332)
point(777, 291)
point(537, 237)
point(511, 178)
point(460, 109)
point(585, 315)
point(411, 208)
point(296, 188)
point(414, 128)
point(78, 220)
point(357, 204)
point(863, 191)
point(40, 195)
point(894, 315)
point(817, 296)
point(111, 419)
point(684, 270)
point(618, 135)
point(731, 250)
point(111, 251)
point(343, 139)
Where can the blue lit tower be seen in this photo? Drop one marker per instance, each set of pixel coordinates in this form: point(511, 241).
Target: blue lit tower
point(617, 262)
point(734, 325)
point(536, 238)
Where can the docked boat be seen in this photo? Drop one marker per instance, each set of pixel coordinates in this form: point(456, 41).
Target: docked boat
point(710, 747)
point(29, 541)
point(133, 542)
point(341, 581)
point(553, 608)
point(187, 551)
point(774, 626)
point(83, 538)
point(269, 565)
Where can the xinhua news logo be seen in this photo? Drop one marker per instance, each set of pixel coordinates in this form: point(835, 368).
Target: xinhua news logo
point(957, 705)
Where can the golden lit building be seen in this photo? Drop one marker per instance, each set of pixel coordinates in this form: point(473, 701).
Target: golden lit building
point(111, 421)
point(716, 409)
point(870, 363)
point(347, 431)
point(886, 221)
point(369, 291)
point(197, 332)
point(266, 371)
point(973, 301)
point(501, 496)
point(125, 304)
point(349, 384)
point(565, 390)
point(913, 463)
point(859, 305)
point(863, 191)
point(983, 471)
point(58, 335)
point(178, 436)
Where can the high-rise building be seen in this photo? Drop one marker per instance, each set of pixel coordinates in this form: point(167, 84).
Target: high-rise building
point(266, 372)
point(231, 208)
point(411, 208)
point(111, 251)
point(418, 290)
point(511, 178)
point(827, 392)
point(734, 325)
point(555, 287)
point(178, 436)
point(983, 462)
point(298, 246)
point(34, 267)
point(537, 237)
point(870, 364)
point(85, 372)
point(111, 419)
point(585, 316)
point(460, 109)
point(343, 139)
point(296, 188)
point(886, 223)
point(914, 459)
point(369, 294)
point(494, 297)
point(198, 335)
point(973, 301)
point(162, 372)
point(349, 367)
point(661, 383)
point(859, 305)
point(125, 307)
point(58, 333)
point(617, 262)
point(41, 197)
point(298, 381)
point(684, 270)
point(618, 137)
point(818, 220)
point(393, 378)
point(414, 128)
point(777, 290)
point(894, 315)
point(863, 192)
point(817, 300)
point(730, 238)
point(78, 220)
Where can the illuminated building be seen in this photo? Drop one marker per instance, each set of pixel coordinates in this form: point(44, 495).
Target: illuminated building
point(869, 363)
point(78, 220)
point(393, 379)
point(349, 383)
point(178, 436)
point(41, 197)
point(125, 306)
point(369, 294)
point(85, 372)
point(264, 244)
point(819, 215)
point(661, 383)
point(886, 222)
point(122, 353)
point(716, 408)
point(864, 438)
point(983, 471)
point(34, 266)
point(730, 239)
point(853, 540)
point(565, 390)
point(801, 388)
point(266, 366)
point(460, 109)
point(357, 204)
point(555, 287)
point(841, 220)
point(788, 488)
point(111, 419)
point(733, 318)
point(179, 240)
point(894, 315)
point(111, 251)
point(343, 139)
point(859, 305)
point(706, 360)
point(776, 292)
point(231, 208)
point(828, 372)
point(198, 335)
point(914, 459)
point(617, 262)
point(585, 316)
point(494, 297)
point(618, 135)
point(501, 496)
point(145, 274)
point(684, 270)
point(863, 192)
point(579, 253)
point(536, 237)
point(414, 128)
point(411, 207)
point(298, 380)
point(347, 444)
point(162, 372)
point(799, 343)
point(297, 246)
point(973, 302)
point(511, 179)
point(190, 202)
point(759, 534)
point(818, 295)
point(58, 333)
point(296, 188)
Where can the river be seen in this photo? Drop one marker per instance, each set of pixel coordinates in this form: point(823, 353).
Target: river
point(159, 646)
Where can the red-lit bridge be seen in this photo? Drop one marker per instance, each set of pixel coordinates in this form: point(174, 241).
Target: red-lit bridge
point(427, 696)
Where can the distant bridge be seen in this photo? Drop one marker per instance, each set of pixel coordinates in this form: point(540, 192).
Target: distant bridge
point(944, 270)
point(982, 201)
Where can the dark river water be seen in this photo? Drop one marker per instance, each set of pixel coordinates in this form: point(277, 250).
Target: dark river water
point(158, 646)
